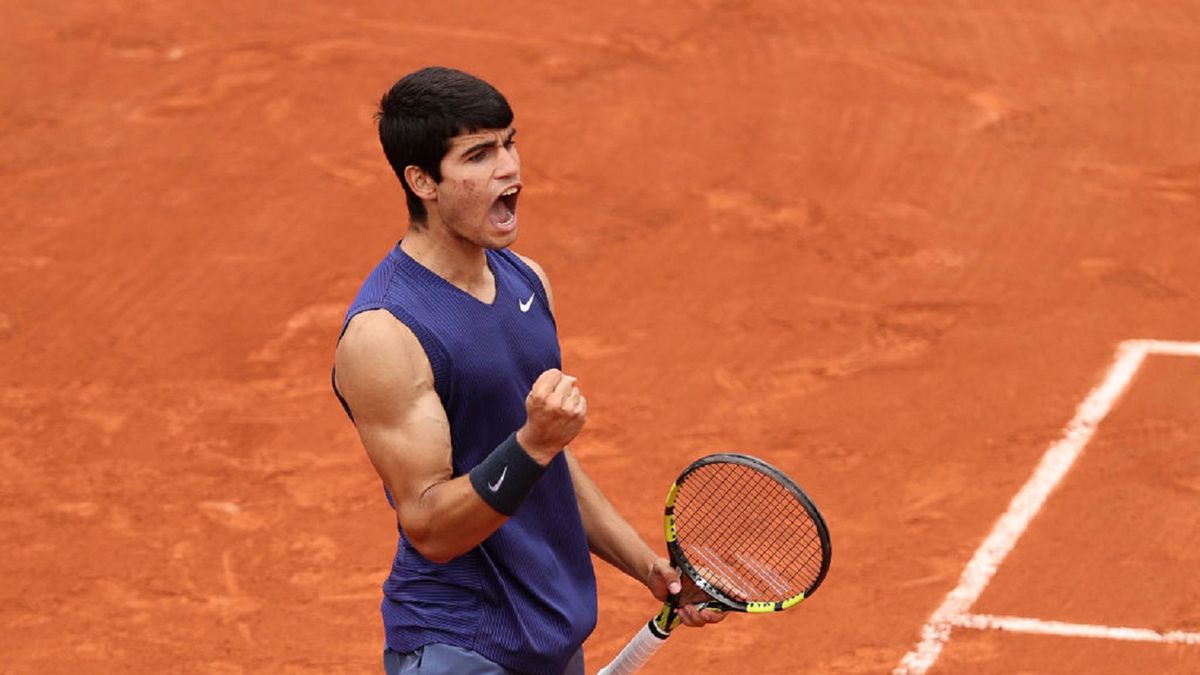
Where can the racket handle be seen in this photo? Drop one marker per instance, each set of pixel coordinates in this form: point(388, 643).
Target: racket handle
point(636, 653)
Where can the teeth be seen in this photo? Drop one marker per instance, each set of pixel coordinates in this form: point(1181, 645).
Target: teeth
point(510, 191)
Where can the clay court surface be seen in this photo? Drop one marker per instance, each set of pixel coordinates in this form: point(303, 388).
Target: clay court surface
point(888, 246)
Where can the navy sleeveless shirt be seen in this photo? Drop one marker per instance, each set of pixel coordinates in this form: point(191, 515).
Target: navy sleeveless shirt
point(526, 597)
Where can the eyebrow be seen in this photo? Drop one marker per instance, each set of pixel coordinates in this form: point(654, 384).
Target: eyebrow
point(486, 144)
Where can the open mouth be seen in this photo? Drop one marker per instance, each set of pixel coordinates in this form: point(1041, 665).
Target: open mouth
point(504, 210)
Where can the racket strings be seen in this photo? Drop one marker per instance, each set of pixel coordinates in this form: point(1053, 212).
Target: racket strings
point(747, 534)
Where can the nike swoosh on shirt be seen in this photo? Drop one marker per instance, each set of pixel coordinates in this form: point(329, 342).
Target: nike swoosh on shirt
point(495, 487)
point(526, 304)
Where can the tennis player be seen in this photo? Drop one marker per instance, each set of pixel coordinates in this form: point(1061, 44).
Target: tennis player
point(449, 366)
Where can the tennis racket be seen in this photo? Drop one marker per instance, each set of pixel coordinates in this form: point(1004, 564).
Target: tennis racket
point(746, 535)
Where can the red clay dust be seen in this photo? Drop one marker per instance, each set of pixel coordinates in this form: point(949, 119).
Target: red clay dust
point(888, 246)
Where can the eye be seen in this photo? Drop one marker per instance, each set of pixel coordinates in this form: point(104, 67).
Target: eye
point(477, 157)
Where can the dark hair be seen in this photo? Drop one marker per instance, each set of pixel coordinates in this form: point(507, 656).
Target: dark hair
point(424, 110)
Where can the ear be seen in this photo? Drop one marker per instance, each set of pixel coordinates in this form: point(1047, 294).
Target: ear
point(420, 182)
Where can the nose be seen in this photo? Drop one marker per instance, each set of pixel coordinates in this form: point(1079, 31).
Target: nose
point(509, 163)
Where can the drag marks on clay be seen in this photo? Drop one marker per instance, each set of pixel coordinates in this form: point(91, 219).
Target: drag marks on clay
point(305, 330)
point(870, 341)
point(876, 252)
point(863, 660)
point(144, 50)
point(493, 36)
point(912, 73)
point(595, 53)
point(873, 244)
point(1142, 280)
point(744, 211)
point(591, 347)
point(232, 516)
point(187, 99)
point(1012, 123)
point(353, 168)
point(228, 73)
point(19, 264)
point(972, 84)
point(837, 456)
point(77, 509)
point(1173, 183)
point(890, 335)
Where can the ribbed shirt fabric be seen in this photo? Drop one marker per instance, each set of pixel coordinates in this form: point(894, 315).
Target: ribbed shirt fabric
point(526, 597)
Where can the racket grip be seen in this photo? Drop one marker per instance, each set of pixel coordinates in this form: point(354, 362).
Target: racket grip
point(635, 654)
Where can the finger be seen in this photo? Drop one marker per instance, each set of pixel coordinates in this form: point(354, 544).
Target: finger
point(687, 615)
point(575, 402)
point(712, 615)
point(565, 385)
point(558, 398)
point(545, 384)
point(690, 616)
point(669, 575)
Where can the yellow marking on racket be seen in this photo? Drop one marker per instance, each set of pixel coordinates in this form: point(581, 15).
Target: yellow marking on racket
point(669, 516)
point(764, 607)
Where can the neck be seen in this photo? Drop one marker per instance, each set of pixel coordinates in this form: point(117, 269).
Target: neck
point(452, 258)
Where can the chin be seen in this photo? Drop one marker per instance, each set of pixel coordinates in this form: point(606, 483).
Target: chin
point(504, 241)
point(497, 239)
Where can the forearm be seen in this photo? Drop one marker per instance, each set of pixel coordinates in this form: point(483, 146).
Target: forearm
point(447, 519)
point(609, 535)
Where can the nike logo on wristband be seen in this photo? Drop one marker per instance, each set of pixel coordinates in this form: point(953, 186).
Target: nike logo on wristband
point(495, 487)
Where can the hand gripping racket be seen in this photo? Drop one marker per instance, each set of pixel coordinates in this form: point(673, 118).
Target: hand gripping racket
point(746, 535)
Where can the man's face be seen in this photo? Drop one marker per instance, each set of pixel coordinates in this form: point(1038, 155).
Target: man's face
point(481, 178)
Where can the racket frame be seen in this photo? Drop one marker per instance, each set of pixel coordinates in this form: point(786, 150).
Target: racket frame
point(654, 633)
point(679, 557)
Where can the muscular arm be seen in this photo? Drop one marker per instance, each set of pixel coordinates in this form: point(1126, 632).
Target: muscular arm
point(385, 377)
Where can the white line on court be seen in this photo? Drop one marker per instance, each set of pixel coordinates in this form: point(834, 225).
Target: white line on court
point(1020, 624)
point(1167, 347)
point(1057, 460)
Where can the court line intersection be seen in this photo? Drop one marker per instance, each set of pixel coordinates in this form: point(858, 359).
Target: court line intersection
point(954, 612)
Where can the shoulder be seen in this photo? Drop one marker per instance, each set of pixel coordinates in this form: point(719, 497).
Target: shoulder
point(374, 328)
point(377, 356)
point(533, 265)
point(541, 274)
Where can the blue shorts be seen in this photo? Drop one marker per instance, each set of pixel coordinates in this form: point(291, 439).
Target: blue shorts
point(447, 660)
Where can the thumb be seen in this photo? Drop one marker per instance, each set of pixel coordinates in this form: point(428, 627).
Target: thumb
point(671, 576)
point(661, 572)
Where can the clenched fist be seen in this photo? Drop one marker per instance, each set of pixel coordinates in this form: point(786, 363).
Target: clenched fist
point(556, 412)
